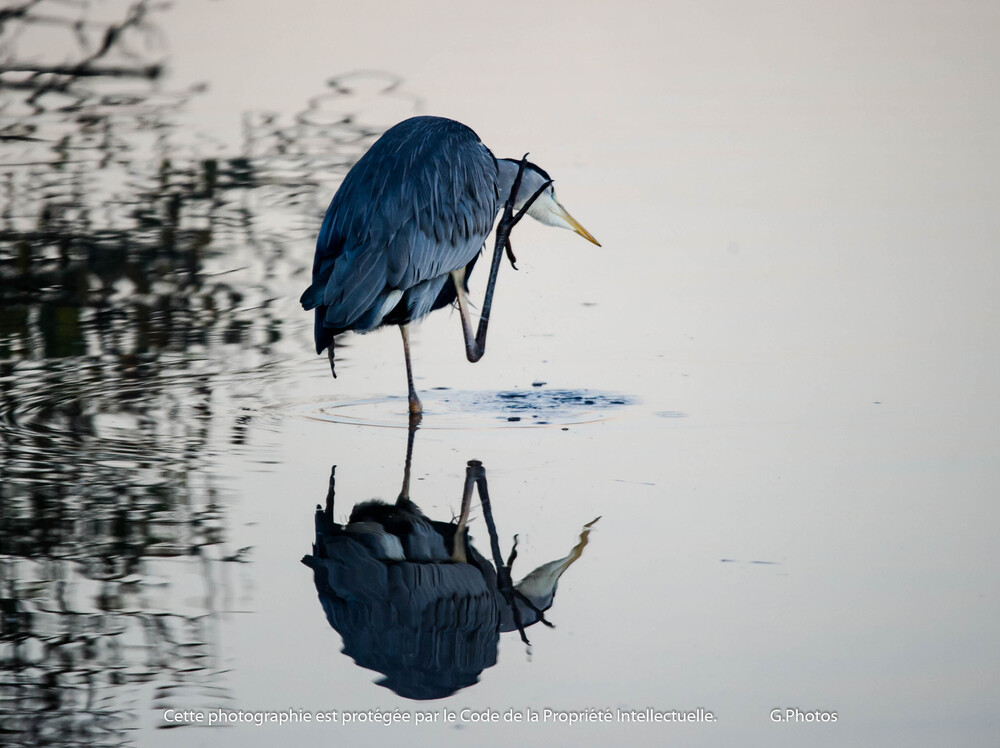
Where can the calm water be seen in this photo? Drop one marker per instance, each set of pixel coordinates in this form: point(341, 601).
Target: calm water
point(774, 384)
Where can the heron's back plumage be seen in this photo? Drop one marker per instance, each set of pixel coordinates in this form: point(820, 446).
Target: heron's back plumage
point(418, 205)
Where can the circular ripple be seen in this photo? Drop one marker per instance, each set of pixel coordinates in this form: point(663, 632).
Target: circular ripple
point(449, 409)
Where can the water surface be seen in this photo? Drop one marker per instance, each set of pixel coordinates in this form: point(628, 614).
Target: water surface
point(773, 384)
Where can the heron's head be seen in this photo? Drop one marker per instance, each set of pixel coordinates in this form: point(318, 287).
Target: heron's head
point(546, 208)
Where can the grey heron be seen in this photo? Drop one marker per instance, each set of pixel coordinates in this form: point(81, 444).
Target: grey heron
point(406, 227)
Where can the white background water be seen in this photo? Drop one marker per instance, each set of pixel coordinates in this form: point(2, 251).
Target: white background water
point(797, 206)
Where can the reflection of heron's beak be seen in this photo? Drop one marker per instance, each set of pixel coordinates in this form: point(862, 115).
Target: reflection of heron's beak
point(574, 224)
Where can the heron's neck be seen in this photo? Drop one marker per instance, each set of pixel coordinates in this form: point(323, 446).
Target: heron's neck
point(506, 174)
point(531, 180)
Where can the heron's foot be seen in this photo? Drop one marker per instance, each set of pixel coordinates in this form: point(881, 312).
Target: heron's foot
point(510, 254)
point(416, 410)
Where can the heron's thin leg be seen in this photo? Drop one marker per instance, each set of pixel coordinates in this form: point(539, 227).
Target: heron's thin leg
point(472, 351)
point(415, 408)
point(475, 348)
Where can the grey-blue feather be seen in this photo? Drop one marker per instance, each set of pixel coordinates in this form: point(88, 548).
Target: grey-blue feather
point(417, 206)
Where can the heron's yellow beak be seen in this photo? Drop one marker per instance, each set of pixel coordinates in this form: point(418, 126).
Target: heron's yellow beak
point(575, 225)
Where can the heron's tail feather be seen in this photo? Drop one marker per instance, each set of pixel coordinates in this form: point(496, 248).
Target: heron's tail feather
point(322, 333)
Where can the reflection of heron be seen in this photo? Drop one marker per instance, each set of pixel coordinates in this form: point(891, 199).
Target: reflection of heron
point(406, 227)
point(413, 599)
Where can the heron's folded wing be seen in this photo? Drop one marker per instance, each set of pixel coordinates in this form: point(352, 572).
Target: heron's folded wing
point(355, 283)
point(418, 205)
point(446, 221)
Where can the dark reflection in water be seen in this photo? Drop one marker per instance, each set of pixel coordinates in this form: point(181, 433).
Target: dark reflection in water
point(413, 599)
point(137, 289)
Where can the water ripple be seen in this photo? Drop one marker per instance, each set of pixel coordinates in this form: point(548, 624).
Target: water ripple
point(452, 409)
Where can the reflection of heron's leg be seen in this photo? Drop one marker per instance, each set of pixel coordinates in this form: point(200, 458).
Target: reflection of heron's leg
point(458, 550)
point(404, 492)
point(331, 493)
point(475, 472)
point(415, 407)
